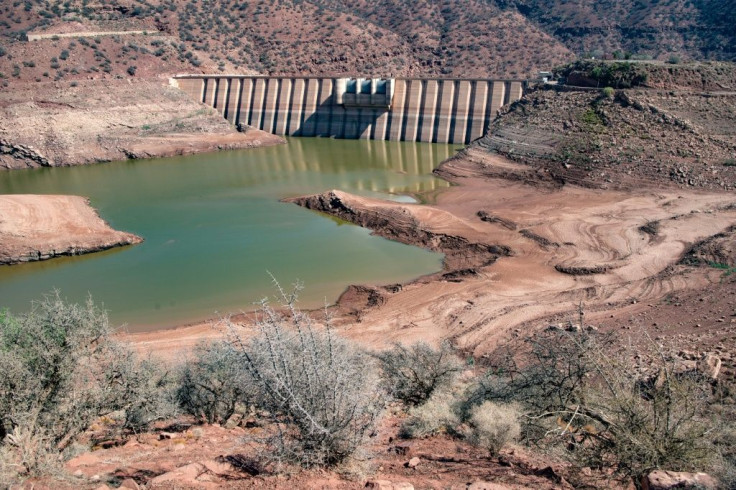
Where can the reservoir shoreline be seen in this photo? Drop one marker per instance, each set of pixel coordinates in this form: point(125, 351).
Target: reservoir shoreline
point(521, 253)
point(34, 227)
point(213, 226)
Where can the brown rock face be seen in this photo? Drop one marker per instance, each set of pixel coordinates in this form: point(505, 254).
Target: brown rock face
point(664, 480)
point(710, 366)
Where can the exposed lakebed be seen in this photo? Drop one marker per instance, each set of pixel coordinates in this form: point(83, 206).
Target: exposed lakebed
point(214, 228)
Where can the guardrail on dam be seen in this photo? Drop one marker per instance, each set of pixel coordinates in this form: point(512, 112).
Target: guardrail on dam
point(428, 110)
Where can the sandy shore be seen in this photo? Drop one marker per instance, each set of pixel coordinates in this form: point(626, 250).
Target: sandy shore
point(35, 227)
point(519, 255)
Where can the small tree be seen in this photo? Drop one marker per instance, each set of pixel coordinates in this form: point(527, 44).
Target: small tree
point(412, 374)
point(320, 391)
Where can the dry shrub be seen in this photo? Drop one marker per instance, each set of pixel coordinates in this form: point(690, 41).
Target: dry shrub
point(411, 374)
point(438, 414)
point(321, 393)
point(578, 392)
point(493, 425)
point(61, 370)
point(214, 382)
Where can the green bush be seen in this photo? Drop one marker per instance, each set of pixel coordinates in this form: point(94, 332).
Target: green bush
point(618, 75)
point(61, 370)
point(608, 92)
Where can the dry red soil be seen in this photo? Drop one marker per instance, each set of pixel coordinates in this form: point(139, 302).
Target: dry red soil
point(521, 255)
point(36, 227)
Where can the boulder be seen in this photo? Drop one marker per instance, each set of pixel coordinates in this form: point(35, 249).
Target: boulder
point(413, 462)
point(665, 480)
point(84, 459)
point(233, 421)
point(129, 484)
point(387, 485)
point(218, 467)
point(710, 365)
point(403, 449)
point(188, 474)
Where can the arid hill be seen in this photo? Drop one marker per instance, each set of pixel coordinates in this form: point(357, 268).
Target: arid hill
point(484, 38)
point(664, 132)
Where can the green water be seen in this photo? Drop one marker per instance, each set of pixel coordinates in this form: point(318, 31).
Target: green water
point(214, 227)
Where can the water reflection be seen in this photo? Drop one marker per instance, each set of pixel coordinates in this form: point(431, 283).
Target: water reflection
point(213, 225)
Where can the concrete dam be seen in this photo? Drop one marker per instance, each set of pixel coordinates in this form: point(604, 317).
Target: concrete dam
point(427, 110)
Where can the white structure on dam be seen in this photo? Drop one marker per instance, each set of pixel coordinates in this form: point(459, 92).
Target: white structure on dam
point(428, 110)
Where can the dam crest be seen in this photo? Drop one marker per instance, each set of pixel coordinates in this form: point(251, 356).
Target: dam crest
point(428, 110)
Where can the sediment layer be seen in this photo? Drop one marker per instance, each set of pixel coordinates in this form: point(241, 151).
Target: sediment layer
point(553, 247)
point(52, 125)
point(34, 227)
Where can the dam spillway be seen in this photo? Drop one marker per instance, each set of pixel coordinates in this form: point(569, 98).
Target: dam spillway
point(426, 110)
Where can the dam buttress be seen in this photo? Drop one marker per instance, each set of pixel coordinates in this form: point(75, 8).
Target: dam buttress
point(428, 110)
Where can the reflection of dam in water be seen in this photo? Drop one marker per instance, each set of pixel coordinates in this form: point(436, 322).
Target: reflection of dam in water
point(213, 229)
point(426, 110)
point(411, 159)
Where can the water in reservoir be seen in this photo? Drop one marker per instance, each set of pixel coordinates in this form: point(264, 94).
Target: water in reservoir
point(214, 228)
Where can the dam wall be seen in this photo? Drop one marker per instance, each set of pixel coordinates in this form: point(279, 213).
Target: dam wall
point(427, 110)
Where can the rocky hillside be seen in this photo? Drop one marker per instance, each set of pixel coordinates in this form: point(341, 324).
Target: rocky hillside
point(696, 29)
point(497, 38)
point(51, 125)
point(622, 138)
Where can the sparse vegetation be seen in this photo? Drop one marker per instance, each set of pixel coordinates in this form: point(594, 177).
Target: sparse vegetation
point(574, 391)
point(494, 425)
point(214, 382)
point(319, 390)
point(61, 371)
point(412, 374)
point(437, 414)
point(605, 74)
